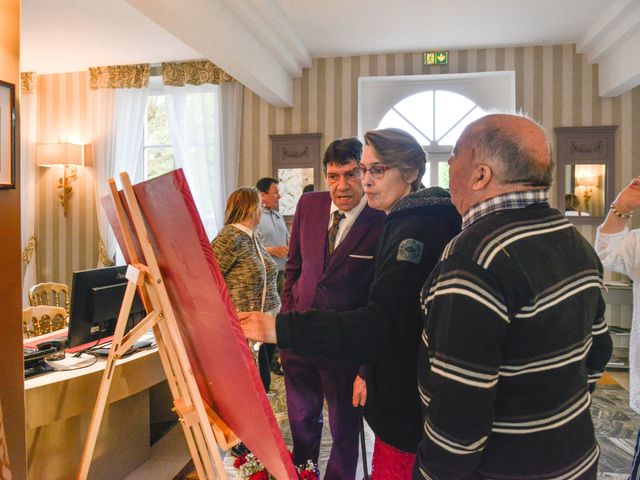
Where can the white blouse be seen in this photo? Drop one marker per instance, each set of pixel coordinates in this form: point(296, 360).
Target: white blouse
point(620, 252)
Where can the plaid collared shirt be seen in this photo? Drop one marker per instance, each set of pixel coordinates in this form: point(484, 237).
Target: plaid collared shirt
point(504, 202)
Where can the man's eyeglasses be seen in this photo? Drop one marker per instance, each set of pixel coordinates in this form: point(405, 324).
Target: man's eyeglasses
point(376, 171)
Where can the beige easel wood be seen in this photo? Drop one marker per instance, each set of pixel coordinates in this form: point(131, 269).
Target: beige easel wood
point(203, 428)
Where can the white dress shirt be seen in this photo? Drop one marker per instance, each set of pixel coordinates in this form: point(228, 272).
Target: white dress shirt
point(349, 220)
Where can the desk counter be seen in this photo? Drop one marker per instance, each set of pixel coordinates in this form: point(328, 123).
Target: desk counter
point(58, 411)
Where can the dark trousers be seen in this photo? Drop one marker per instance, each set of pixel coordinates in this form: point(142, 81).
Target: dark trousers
point(635, 464)
point(308, 381)
point(273, 349)
point(265, 357)
point(281, 277)
point(268, 350)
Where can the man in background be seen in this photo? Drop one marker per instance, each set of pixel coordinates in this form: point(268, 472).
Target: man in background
point(514, 333)
point(273, 229)
point(274, 235)
point(331, 259)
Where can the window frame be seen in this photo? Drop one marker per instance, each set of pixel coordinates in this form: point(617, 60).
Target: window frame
point(377, 95)
point(156, 89)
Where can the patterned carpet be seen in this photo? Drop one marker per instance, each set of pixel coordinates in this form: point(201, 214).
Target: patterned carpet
point(616, 429)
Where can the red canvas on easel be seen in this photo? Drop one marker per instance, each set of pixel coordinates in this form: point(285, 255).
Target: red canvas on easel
point(223, 366)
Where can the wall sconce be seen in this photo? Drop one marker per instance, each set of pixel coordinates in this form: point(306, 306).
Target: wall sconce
point(588, 182)
point(68, 154)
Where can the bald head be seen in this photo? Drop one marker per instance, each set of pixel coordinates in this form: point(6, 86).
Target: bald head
point(516, 148)
point(498, 154)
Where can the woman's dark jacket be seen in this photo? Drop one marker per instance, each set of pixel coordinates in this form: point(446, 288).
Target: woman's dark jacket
point(385, 333)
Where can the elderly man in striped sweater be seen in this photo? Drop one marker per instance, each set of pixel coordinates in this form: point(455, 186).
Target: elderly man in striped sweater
point(514, 337)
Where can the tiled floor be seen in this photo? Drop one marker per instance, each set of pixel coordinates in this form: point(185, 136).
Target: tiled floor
point(616, 429)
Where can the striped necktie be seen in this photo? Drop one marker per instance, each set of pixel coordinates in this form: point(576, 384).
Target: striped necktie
point(333, 230)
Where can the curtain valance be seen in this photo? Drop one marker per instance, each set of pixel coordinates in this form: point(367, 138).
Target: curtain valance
point(197, 72)
point(119, 76)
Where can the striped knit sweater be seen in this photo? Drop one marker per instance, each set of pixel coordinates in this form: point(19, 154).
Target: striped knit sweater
point(243, 271)
point(513, 343)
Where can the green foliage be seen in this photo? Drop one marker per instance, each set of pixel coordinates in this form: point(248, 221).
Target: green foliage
point(158, 152)
point(443, 174)
point(158, 160)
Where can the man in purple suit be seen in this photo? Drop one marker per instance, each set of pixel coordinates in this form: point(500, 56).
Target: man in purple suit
point(331, 258)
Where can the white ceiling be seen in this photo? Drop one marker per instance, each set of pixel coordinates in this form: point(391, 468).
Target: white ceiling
point(71, 35)
point(266, 43)
point(354, 27)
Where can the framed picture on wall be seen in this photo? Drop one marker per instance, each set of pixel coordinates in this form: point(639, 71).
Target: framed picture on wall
point(7, 135)
point(586, 162)
point(296, 165)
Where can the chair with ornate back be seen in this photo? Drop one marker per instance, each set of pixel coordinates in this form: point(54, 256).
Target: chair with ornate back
point(54, 294)
point(42, 319)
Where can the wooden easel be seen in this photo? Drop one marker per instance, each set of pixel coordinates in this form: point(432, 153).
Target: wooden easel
point(203, 428)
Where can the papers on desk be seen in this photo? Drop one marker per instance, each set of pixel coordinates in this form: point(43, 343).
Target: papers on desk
point(71, 362)
point(82, 360)
point(146, 341)
point(136, 347)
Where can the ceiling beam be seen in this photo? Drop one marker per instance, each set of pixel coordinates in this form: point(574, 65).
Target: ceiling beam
point(249, 39)
point(612, 42)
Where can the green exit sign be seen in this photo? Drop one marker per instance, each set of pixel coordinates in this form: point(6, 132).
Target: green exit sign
point(436, 58)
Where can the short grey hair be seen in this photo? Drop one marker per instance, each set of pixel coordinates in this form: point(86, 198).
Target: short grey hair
point(397, 148)
point(512, 161)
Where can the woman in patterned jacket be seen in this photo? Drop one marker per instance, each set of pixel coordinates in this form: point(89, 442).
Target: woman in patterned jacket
point(248, 270)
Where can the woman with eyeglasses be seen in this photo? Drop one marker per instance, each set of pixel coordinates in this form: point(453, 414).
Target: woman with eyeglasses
point(384, 334)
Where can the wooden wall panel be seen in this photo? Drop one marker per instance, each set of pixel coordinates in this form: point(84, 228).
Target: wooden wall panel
point(11, 368)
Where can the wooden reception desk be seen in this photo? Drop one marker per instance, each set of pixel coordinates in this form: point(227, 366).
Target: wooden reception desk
point(58, 407)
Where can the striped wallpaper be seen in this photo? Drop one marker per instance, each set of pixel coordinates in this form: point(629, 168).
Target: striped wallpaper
point(553, 84)
point(64, 243)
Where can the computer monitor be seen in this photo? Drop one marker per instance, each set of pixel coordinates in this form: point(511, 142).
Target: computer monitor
point(96, 298)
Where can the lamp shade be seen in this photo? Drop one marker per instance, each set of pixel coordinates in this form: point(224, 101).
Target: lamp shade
point(49, 154)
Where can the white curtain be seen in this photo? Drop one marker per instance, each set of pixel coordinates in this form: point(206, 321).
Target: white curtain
point(200, 117)
point(118, 120)
point(28, 122)
point(230, 129)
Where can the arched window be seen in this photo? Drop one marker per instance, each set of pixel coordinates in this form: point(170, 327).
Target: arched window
point(434, 108)
point(436, 118)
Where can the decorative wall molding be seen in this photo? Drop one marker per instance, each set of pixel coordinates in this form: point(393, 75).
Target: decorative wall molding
point(29, 249)
point(585, 148)
point(296, 153)
point(105, 260)
point(28, 83)
point(592, 150)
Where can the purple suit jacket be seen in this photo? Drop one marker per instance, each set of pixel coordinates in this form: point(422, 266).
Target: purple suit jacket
point(344, 283)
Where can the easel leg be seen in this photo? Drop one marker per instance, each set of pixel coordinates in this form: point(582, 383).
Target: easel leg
point(105, 385)
point(196, 438)
point(187, 399)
